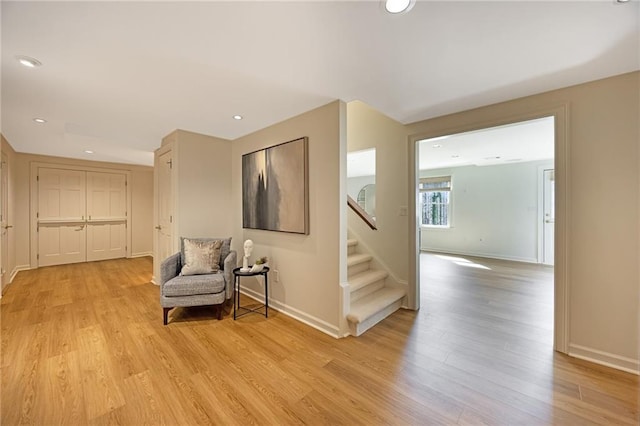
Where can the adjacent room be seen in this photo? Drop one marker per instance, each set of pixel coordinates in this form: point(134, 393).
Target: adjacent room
point(486, 233)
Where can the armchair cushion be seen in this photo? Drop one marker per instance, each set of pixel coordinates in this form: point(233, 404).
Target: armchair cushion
point(225, 249)
point(201, 257)
point(191, 285)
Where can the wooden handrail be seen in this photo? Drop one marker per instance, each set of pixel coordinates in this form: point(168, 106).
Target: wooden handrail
point(360, 212)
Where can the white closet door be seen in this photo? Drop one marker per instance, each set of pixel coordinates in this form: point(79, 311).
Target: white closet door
point(106, 241)
point(106, 212)
point(59, 244)
point(61, 216)
point(61, 195)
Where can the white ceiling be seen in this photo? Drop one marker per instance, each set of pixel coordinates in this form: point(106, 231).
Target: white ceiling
point(515, 143)
point(118, 76)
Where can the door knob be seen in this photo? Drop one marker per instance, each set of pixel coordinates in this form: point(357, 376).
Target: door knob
point(158, 227)
point(8, 226)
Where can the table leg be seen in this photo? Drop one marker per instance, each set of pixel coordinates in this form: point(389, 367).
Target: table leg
point(266, 296)
point(236, 294)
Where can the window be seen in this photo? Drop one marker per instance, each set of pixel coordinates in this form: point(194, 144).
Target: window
point(435, 199)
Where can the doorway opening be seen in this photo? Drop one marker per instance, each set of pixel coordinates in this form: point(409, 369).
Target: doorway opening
point(486, 216)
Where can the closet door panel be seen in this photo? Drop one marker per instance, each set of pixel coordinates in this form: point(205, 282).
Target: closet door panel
point(106, 241)
point(61, 244)
point(61, 195)
point(106, 196)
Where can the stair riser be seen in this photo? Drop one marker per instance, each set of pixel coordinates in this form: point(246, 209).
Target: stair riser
point(356, 269)
point(358, 329)
point(368, 289)
point(351, 250)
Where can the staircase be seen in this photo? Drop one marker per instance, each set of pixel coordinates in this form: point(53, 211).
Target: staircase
point(371, 299)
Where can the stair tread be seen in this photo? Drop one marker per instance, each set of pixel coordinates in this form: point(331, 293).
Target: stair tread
point(372, 303)
point(352, 242)
point(365, 278)
point(354, 259)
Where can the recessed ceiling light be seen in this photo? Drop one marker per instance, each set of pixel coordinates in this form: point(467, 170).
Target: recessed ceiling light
point(88, 151)
point(621, 1)
point(398, 6)
point(237, 117)
point(437, 145)
point(39, 120)
point(28, 62)
point(455, 156)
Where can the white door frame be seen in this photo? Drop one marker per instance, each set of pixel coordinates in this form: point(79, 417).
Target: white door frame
point(561, 167)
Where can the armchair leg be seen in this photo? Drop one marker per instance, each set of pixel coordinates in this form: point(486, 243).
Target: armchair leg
point(165, 314)
point(219, 309)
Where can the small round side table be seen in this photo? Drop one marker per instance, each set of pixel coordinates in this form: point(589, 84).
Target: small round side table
point(237, 273)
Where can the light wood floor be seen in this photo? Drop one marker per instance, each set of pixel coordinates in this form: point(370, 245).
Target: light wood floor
point(85, 344)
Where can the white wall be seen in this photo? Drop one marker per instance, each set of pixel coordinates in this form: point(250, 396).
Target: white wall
point(307, 285)
point(494, 212)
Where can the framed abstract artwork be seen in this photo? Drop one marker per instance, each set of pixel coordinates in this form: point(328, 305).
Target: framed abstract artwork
point(275, 195)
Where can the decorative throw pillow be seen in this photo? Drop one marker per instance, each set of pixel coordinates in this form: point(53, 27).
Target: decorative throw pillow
point(201, 257)
point(224, 250)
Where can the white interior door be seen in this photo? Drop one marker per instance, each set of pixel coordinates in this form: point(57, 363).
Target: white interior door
point(61, 216)
point(4, 218)
point(548, 225)
point(106, 215)
point(165, 206)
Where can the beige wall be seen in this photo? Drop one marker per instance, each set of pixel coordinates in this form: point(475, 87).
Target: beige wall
point(602, 194)
point(367, 128)
point(141, 212)
point(141, 190)
point(203, 196)
point(310, 266)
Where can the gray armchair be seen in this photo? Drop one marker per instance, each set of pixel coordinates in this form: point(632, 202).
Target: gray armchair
point(178, 290)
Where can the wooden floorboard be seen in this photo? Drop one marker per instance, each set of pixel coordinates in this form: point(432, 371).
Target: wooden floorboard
point(84, 345)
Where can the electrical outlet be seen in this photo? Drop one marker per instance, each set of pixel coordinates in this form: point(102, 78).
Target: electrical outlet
point(276, 275)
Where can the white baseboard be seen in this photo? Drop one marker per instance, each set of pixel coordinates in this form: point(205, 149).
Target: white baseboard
point(618, 362)
point(296, 314)
point(18, 269)
point(142, 254)
point(480, 254)
point(12, 275)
